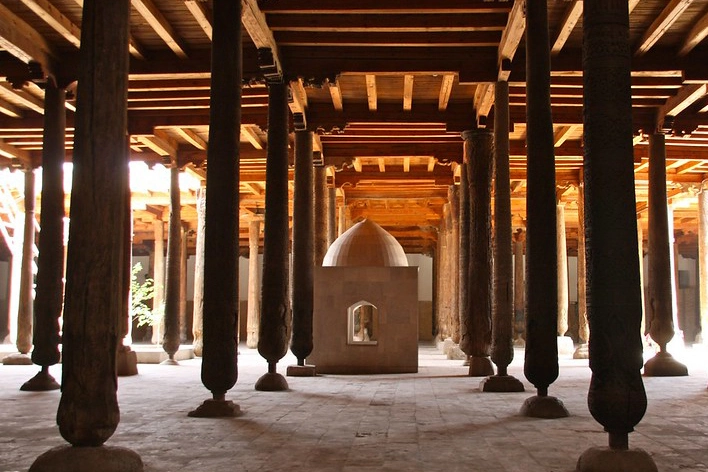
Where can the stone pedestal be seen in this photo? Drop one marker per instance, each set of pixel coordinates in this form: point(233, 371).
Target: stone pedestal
point(663, 364)
point(216, 409)
point(604, 459)
point(169, 361)
point(501, 383)
point(565, 346)
point(582, 352)
point(126, 362)
point(272, 382)
point(301, 371)
point(480, 366)
point(41, 382)
point(543, 407)
point(88, 459)
point(17, 359)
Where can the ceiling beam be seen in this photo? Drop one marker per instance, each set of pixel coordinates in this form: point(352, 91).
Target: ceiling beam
point(336, 93)
point(327, 7)
point(162, 27)
point(253, 19)
point(192, 138)
point(22, 41)
point(54, 18)
point(570, 18)
point(663, 22)
point(407, 92)
point(11, 151)
point(21, 98)
point(200, 13)
point(514, 31)
point(371, 91)
point(483, 100)
point(136, 50)
point(252, 136)
point(686, 96)
point(445, 91)
point(698, 32)
point(10, 109)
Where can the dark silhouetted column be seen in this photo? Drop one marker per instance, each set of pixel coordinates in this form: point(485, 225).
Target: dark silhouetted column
point(198, 311)
point(583, 329)
point(170, 340)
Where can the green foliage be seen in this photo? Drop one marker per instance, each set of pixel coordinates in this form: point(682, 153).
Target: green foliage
point(139, 294)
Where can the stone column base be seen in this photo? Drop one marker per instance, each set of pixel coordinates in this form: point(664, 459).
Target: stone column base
point(88, 459)
point(301, 371)
point(480, 366)
point(41, 382)
point(582, 352)
point(17, 359)
point(126, 362)
point(663, 364)
point(543, 407)
point(604, 459)
point(271, 382)
point(565, 346)
point(216, 409)
point(169, 361)
point(501, 383)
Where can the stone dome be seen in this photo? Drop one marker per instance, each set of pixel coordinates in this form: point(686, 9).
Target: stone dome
point(365, 244)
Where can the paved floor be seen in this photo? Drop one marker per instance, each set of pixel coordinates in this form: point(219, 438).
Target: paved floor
point(436, 419)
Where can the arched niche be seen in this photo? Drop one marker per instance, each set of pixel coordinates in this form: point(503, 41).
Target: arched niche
point(362, 323)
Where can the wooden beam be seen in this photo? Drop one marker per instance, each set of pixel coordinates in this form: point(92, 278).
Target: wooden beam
point(54, 18)
point(686, 96)
point(192, 138)
point(406, 164)
point(160, 144)
point(162, 27)
point(445, 90)
point(21, 98)
point(10, 151)
point(22, 41)
point(9, 109)
point(514, 31)
point(297, 101)
point(698, 32)
point(570, 19)
point(407, 92)
point(377, 7)
point(252, 136)
point(483, 100)
point(200, 13)
point(371, 91)
point(253, 19)
point(562, 134)
point(382, 164)
point(136, 50)
point(661, 25)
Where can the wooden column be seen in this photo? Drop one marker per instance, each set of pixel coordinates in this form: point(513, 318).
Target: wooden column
point(183, 256)
point(320, 196)
point(464, 248)
point(476, 324)
point(519, 288)
point(342, 217)
point(170, 340)
point(452, 281)
point(661, 303)
point(254, 284)
point(565, 343)
point(50, 264)
point(703, 261)
point(331, 215)
point(303, 256)
point(644, 328)
point(198, 311)
point(276, 317)
point(158, 301)
point(88, 412)
point(502, 281)
point(583, 328)
point(541, 360)
point(616, 397)
point(221, 233)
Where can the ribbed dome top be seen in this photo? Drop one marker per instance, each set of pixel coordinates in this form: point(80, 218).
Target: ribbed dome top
point(365, 244)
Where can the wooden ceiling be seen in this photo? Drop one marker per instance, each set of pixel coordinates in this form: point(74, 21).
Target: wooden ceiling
point(386, 86)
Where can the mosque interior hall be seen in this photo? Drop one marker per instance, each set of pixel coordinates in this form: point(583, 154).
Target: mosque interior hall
point(352, 236)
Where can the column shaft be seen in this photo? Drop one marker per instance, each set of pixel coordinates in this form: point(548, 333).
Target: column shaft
point(561, 247)
point(198, 311)
point(519, 286)
point(170, 340)
point(24, 312)
point(703, 259)
point(320, 196)
point(158, 301)
point(254, 284)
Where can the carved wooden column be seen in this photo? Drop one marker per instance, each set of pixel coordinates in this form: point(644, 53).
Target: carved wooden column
point(342, 217)
point(24, 309)
point(320, 196)
point(476, 324)
point(644, 329)
point(565, 343)
point(170, 339)
point(703, 261)
point(661, 306)
point(453, 196)
point(276, 317)
point(519, 288)
point(616, 397)
point(221, 232)
point(331, 215)
point(303, 256)
point(50, 264)
point(127, 359)
point(582, 351)
point(503, 299)
point(254, 284)
point(158, 301)
point(88, 412)
point(183, 257)
point(464, 247)
point(198, 310)
point(541, 360)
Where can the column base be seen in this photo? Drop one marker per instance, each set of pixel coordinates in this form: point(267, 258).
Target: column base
point(272, 382)
point(663, 364)
point(88, 459)
point(301, 371)
point(169, 362)
point(543, 407)
point(480, 366)
point(41, 382)
point(604, 459)
point(501, 383)
point(216, 409)
point(519, 342)
point(582, 352)
point(565, 346)
point(17, 359)
point(126, 362)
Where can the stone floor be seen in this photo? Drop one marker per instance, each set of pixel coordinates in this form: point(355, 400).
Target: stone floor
point(436, 419)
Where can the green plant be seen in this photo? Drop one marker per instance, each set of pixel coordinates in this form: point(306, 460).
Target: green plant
point(139, 294)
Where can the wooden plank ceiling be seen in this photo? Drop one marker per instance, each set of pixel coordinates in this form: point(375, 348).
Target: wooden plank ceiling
point(386, 86)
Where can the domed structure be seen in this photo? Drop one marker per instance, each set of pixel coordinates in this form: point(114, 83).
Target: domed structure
point(365, 244)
